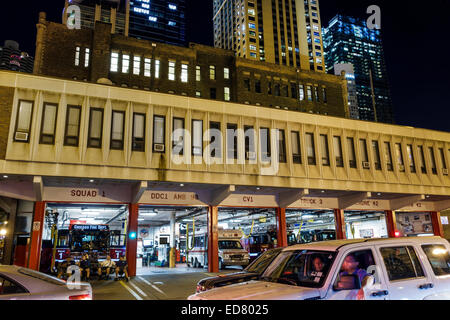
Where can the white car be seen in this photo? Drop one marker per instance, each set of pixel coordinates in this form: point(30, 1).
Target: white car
point(374, 269)
point(17, 283)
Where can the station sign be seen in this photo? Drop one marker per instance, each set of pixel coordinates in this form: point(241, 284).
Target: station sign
point(371, 204)
point(419, 207)
point(107, 194)
point(250, 200)
point(315, 203)
point(171, 198)
point(86, 227)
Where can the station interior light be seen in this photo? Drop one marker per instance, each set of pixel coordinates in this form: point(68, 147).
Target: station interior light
point(3, 232)
point(133, 235)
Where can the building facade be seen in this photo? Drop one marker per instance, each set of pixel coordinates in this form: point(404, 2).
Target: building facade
point(11, 58)
point(196, 71)
point(348, 40)
point(283, 32)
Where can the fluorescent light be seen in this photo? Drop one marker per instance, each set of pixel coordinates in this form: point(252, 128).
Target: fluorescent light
point(148, 214)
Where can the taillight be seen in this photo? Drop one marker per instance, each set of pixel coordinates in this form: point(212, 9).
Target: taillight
point(397, 234)
point(200, 288)
point(81, 297)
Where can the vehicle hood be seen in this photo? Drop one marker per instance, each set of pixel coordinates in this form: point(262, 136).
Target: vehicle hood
point(258, 290)
point(227, 277)
point(234, 251)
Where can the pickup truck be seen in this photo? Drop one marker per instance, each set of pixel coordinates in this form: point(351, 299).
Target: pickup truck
point(371, 269)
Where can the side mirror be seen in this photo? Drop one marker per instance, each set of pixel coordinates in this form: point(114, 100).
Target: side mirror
point(348, 282)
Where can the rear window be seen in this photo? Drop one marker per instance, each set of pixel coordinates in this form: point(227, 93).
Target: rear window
point(41, 276)
point(439, 259)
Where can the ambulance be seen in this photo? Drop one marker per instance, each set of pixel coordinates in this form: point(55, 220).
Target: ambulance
point(231, 252)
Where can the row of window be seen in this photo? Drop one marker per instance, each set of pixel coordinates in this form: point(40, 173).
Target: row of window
point(95, 132)
point(143, 66)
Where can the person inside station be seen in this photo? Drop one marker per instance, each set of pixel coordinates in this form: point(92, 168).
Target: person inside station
point(63, 266)
point(105, 267)
point(85, 266)
point(122, 268)
point(350, 266)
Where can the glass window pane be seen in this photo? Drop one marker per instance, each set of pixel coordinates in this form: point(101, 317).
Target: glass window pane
point(73, 122)
point(197, 137)
point(24, 121)
point(324, 150)
point(96, 124)
point(310, 149)
point(400, 263)
point(117, 126)
point(139, 126)
point(159, 124)
point(49, 121)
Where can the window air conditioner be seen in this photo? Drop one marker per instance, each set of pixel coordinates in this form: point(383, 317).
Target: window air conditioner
point(401, 167)
point(159, 148)
point(366, 165)
point(21, 136)
point(445, 172)
point(251, 155)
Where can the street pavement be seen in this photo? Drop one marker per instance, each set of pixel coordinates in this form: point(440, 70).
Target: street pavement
point(162, 284)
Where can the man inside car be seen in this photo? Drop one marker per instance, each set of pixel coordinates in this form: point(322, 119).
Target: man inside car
point(350, 267)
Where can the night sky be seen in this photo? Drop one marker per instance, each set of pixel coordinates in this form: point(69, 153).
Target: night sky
point(414, 37)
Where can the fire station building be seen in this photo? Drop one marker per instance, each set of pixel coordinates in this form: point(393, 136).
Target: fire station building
point(140, 164)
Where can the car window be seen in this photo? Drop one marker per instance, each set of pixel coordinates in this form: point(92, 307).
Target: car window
point(401, 263)
point(360, 263)
point(439, 258)
point(41, 276)
point(300, 268)
point(9, 287)
point(261, 263)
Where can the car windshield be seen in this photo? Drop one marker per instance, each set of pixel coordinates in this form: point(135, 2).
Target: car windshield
point(303, 268)
point(41, 276)
point(229, 245)
point(260, 264)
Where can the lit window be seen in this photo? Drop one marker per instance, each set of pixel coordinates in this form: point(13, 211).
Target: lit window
point(184, 73)
point(309, 90)
point(227, 94)
point(171, 70)
point(95, 128)
point(114, 62)
point(137, 65)
point(253, 47)
point(125, 63)
point(158, 133)
point(172, 23)
point(172, 6)
point(226, 73)
point(301, 91)
point(72, 126)
point(77, 56)
point(152, 19)
point(138, 138)
point(86, 57)
point(197, 137)
point(157, 68)
point(251, 26)
point(117, 130)
point(212, 72)
point(198, 76)
point(147, 67)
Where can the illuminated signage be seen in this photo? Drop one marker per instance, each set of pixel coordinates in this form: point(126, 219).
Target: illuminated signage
point(86, 227)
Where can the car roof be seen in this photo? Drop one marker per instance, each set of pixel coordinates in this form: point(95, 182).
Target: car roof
point(31, 283)
point(334, 245)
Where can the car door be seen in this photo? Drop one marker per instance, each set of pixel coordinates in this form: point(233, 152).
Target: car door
point(406, 277)
point(369, 262)
point(438, 257)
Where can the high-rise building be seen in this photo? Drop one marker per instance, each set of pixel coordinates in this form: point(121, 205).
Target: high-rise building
point(348, 40)
point(157, 20)
point(11, 58)
point(351, 87)
point(284, 32)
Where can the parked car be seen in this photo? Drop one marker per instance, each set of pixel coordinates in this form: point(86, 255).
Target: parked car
point(376, 269)
point(252, 272)
point(17, 283)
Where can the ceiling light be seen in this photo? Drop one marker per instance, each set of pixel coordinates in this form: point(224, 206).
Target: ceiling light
point(148, 214)
point(5, 177)
point(91, 181)
point(3, 232)
point(181, 185)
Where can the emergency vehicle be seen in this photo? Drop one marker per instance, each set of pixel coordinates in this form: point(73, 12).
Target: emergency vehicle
point(231, 252)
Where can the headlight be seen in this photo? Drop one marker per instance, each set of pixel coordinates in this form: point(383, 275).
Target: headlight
point(200, 288)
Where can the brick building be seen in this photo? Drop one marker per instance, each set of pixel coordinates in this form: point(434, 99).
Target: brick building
point(197, 71)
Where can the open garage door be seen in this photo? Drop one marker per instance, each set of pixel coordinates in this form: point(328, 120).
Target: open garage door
point(166, 230)
point(72, 229)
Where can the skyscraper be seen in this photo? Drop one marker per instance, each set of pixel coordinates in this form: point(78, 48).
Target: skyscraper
point(156, 20)
point(285, 32)
point(348, 40)
point(11, 58)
